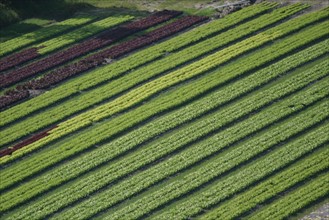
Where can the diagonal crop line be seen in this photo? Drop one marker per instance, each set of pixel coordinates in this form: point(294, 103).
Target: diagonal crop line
point(292, 177)
point(107, 73)
point(296, 200)
point(226, 187)
point(16, 75)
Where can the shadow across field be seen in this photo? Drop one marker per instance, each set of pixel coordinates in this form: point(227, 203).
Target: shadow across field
point(40, 13)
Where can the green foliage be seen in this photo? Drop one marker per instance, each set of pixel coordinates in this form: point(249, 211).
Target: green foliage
point(297, 199)
point(22, 27)
point(299, 172)
point(42, 34)
point(155, 86)
point(53, 10)
point(244, 177)
point(185, 136)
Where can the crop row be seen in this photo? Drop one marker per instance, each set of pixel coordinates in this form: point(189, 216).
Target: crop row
point(43, 33)
point(114, 87)
point(73, 69)
point(156, 85)
point(275, 185)
point(296, 200)
point(102, 130)
point(82, 33)
point(130, 62)
point(121, 168)
point(250, 174)
point(134, 161)
point(80, 49)
point(27, 141)
point(31, 69)
point(289, 106)
point(172, 61)
point(117, 106)
point(185, 182)
point(13, 96)
point(17, 58)
point(126, 30)
point(222, 188)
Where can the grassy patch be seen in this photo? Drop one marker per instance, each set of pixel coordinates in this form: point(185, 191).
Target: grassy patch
point(23, 27)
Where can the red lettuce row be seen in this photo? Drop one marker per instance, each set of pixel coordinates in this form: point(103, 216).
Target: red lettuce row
point(18, 58)
point(26, 142)
point(13, 96)
point(83, 48)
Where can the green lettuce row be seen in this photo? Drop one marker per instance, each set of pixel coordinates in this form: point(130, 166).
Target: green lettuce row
point(222, 188)
point(297, 199)
point(40, 184)
point(43, 33)
point(128, 81)
point(278, 184)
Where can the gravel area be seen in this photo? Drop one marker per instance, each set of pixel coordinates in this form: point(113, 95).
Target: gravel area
point(321, 213)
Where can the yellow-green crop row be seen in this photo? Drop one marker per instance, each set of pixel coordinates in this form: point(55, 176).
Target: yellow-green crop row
point(72, 170)
point(42, 34)
point(132, 79)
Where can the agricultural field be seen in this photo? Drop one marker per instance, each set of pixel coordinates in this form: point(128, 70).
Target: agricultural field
point(167, 115)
